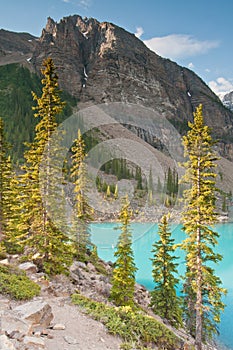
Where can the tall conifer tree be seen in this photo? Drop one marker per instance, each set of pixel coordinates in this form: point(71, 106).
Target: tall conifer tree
point(82, 213)
point(123, 280)
point(165, 301)
point(5, 179)
point(203, 287)
point(48, 245)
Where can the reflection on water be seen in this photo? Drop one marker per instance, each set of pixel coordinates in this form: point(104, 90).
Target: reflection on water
point(105, 236)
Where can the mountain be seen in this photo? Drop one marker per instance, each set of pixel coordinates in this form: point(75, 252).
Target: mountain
point(101, 62)
point(228, 100)
point(15, 47)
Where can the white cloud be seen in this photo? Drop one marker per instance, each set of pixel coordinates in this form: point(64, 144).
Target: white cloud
point(84, 3)
point(207, 70)
point(67, 1)
point(139, 32)
point(179, 46)
point(221, 86)
point(191, 65)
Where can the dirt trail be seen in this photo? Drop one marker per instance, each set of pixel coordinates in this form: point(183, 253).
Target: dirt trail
point(81, 331)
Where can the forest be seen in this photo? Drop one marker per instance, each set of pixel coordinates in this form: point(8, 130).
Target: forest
point(30, 194)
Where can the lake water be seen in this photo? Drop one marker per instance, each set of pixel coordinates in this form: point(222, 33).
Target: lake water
point(105, 236)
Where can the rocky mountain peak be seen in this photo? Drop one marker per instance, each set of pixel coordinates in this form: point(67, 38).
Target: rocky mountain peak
point(101, 62)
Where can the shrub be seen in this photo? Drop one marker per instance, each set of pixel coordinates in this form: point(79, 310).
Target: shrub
point(15, 283)
point(135, 327)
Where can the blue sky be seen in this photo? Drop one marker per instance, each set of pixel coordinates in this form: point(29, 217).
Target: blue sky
point(196, 34)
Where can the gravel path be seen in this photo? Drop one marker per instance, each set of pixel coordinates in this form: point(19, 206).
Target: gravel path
point(81, 332)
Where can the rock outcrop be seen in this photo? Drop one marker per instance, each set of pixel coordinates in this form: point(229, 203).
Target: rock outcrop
point(101, 62)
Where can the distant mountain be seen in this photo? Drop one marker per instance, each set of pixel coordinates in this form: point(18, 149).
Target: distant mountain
point(101, 62)
point(228, 100)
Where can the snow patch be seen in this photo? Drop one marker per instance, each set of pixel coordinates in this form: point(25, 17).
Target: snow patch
point(29, 59)
point(188, 93)
point(85, 34)
point(85, 73)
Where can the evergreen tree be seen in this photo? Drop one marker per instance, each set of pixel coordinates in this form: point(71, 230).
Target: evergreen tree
point(138, 177)
point(116, 192)
point(164, 300)
point(123, 279)
point(82, 213)
point(108, 192)
point(203, 288)
point(47, 245)
point(5, 179)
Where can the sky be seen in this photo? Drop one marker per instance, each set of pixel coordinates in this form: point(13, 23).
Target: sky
point(195, 34)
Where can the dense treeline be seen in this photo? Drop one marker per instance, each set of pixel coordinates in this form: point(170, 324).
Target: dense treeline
point(16, 86)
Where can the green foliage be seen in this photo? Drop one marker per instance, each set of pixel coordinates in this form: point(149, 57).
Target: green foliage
point(82, 213)
point(164, 300)
point(171, 186)
point(16, 284)
point(16, 84)
point(202, 289)
point(137, 329)
point(46, 244)
point(123, 279)
point(8, 195)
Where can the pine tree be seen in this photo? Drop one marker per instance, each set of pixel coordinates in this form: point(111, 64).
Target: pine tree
point(82, 213)
point(108, 192)
point(123, 279)
point(203, 288)
point(5, 179)
point(47, 245)
point(116, 192)
point(165, 301)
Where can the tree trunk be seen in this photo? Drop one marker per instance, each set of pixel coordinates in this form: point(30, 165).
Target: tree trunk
point(198, 336)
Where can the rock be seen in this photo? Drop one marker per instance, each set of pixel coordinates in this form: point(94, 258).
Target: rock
point(59, 327)
point(81, 264)
point(75, 271)
point(35, 341)
point(4, 304)
point(5, 262)
point(5, 343)
point(103, 288)
point(28, 267)
point(91, 267)
point(37, 312)
point(13, 325)
point(70, 340)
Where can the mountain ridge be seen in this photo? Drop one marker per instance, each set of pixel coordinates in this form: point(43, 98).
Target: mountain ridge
point(101, 62)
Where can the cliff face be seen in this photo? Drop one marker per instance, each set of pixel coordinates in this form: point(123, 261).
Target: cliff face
point(15, 47)
point(101, 62)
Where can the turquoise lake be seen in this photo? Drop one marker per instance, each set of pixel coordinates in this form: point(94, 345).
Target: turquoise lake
point(105, 236)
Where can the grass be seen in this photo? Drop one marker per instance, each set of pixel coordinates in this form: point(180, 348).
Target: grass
point(137, 329)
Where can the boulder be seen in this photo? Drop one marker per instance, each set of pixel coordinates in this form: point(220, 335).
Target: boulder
point(28, 267)
point(5, 343)
point(13, 325)
point(34, 341)
point(5, 262)
point(37, 312)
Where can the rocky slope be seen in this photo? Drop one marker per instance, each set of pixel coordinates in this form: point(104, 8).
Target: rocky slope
point(51, 321)
point(101, 62)
point(228, 100)
point(15, 47)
